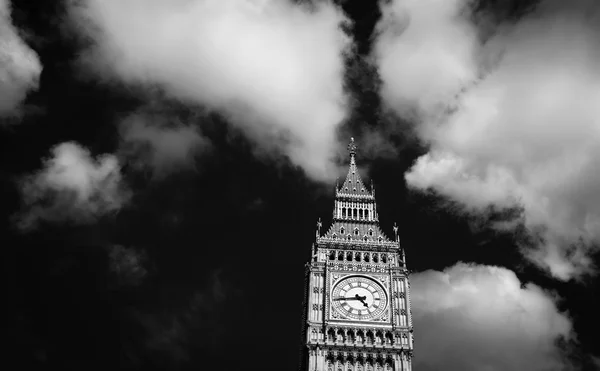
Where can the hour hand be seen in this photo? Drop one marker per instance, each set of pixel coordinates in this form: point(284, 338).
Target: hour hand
point(342, 298)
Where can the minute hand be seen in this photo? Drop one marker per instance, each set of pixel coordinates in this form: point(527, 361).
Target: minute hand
point(351, 298)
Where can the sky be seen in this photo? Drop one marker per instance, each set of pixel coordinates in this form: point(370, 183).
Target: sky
point(165, 162)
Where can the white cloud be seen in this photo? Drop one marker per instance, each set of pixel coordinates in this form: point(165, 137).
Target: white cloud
point(525, 134)
point(274, 67)
point(426, 52)
point(20, 66)
point(72, 187)
point(474, 317)
point(161, 144)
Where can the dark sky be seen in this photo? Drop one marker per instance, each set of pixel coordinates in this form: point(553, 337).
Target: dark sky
point(203, 268)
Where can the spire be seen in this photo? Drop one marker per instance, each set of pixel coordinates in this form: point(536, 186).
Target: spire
point(353, 186)
point(352, 149)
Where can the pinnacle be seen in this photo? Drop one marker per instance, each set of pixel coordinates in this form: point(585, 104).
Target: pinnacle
point(353, 185)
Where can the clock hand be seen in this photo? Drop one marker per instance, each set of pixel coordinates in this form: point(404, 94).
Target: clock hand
point(356, 297)
point(362, 300)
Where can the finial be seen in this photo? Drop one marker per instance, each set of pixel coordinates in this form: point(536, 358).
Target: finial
point(319, 224)
point(352, 147)
point(403, 258)
point(396, 230)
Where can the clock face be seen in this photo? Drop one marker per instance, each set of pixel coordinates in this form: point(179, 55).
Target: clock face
point(359, 298)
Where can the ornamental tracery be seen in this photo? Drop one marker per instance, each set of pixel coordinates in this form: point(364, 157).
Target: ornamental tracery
point(360, 361)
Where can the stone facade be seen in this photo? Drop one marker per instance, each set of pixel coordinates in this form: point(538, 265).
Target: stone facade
point(357, 313)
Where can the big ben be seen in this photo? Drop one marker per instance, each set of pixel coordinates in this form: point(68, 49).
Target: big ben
point(357, 313)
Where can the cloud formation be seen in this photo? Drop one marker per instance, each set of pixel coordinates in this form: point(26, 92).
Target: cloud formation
point(425, 53)
point(20, 66)
point(512, 122)
point(73, 187)
point(274, 68)
point(475, 317)
point(160, 144)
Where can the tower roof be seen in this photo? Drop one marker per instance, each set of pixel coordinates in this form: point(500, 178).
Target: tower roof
point(353, 185)
point(355, 218)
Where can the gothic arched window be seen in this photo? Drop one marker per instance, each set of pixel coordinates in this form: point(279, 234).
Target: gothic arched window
point(330, 335)
point(366, 214)
point(370, 232)
point(388, 337)
point(356, 231)
point(342, 230)
point(360, 335)
point(350, 335)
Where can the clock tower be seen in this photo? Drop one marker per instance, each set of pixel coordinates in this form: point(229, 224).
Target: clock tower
point(357, 300)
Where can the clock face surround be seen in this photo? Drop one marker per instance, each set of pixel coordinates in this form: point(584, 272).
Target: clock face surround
point(359, 297)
